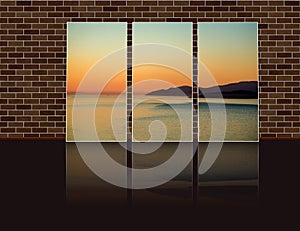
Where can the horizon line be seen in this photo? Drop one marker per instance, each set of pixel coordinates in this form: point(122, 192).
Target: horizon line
point(114, 93)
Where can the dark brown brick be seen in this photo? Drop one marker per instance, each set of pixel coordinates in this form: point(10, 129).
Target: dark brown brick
point(134, 3)
point(284, 112)
point(213, 3)
point(229, 3)
point(23, 106)
point(244, 14)
point(71, 14)
point(55, 118)
point(23, 3)
point(284, 55)
point(181, 14)
point(8, 118)
point(110, 8)
point(205, 8)
point(291, 3)
point(39, 130)
point(134, 14)
point(7, 130)
point(150, 3)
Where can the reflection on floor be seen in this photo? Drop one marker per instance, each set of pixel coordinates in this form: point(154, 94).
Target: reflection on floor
point(84, 188)
point(233, 178)
point(231, 181)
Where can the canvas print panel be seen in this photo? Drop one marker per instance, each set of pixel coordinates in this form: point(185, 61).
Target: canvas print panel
point(228, 81)
point(96, 82)
point(162, 66)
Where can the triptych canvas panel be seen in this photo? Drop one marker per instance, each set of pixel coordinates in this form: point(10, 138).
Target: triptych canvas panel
point(163, 95)
point(162, 81)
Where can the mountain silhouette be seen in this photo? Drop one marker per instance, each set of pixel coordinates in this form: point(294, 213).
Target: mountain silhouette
point(241, 90)
point(173, 91)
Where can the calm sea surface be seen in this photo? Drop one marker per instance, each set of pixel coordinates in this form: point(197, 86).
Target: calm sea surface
point(241, 119)
point(160, 118)
point(175, 114)
point(109, 113)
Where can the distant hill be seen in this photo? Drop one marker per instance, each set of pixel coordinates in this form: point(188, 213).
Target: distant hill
point(174, 91)
point(244, 90)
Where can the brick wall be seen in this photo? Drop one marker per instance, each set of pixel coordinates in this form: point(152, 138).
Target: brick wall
point(33, 57)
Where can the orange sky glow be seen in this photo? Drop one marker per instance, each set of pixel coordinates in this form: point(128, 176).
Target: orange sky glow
point(157, 73)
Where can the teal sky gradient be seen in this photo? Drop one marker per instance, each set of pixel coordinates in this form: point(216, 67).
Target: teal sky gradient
point(172, 34)
point(88, 43)
point(229, 50)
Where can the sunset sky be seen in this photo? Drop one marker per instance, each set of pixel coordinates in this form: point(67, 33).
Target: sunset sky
point(161, 77)
point(229, 51)
point(87, 44)
point(178, 35)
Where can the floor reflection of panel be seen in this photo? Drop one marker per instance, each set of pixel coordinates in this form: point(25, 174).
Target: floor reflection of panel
point(232, 180)
point(84, 188)
point(177, 191)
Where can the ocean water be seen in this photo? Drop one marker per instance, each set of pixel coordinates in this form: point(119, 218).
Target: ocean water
point(163, 118)
point(109, 122)
point(241, 122)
